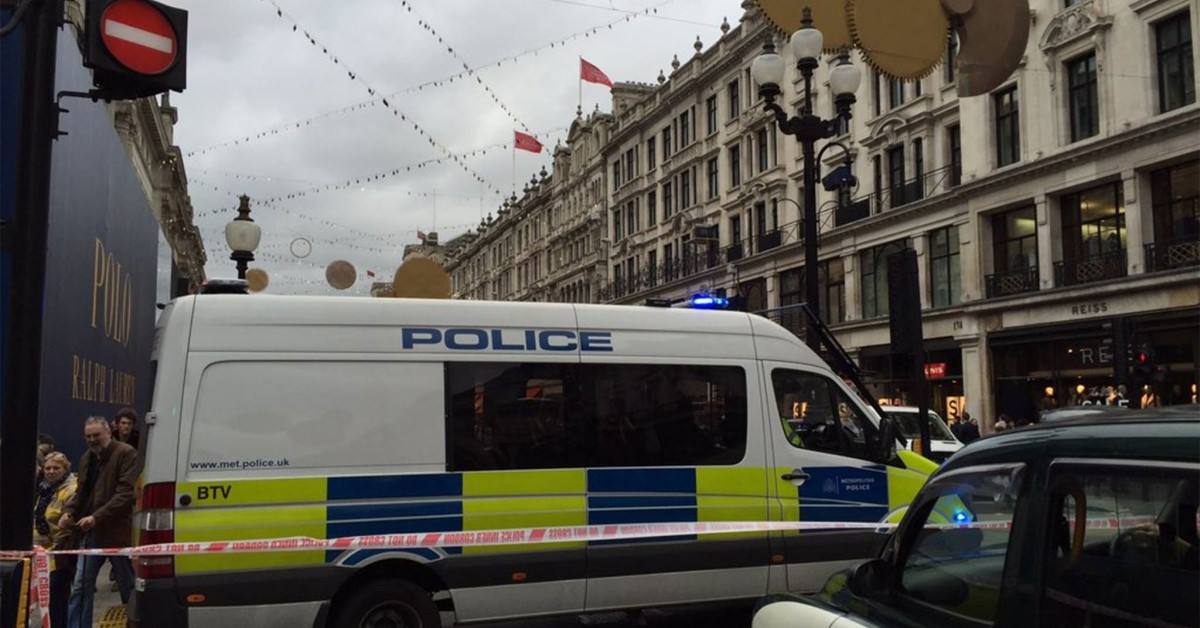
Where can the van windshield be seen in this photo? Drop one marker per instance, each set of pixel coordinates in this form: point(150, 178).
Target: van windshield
point(906, 424)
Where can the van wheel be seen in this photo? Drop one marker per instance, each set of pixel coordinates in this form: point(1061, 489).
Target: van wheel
point(388, 604)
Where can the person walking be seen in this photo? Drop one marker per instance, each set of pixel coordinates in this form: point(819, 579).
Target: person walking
point(55, 490)
point(126, 427)
point(101, 513)
point(969, 430)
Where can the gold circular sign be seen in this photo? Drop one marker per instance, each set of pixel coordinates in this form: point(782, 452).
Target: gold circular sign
point(903, 40)
point(341, 274)
point(829, 16)
point(258, 279)
point(421, 278)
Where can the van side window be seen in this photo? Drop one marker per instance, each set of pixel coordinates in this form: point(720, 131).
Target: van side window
point(664, 414)
point(511, 416)
point(548, 416)
point(815, 413)
point(1135, 554)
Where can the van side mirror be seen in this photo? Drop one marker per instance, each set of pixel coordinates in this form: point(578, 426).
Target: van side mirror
point(887, 439)
point(871, 580)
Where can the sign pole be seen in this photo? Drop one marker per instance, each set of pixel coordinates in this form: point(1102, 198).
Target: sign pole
point(23, 329)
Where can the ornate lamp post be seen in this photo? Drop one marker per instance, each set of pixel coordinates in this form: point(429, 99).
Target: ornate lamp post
point(242, 236)
point(768, 70)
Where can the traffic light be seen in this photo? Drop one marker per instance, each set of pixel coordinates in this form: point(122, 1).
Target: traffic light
point(135, 48)
point(1143, 363)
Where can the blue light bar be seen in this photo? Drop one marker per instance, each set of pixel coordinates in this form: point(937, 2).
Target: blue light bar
point(709, 302)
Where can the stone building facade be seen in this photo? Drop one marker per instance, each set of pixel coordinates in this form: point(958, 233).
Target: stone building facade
point(1056, 220)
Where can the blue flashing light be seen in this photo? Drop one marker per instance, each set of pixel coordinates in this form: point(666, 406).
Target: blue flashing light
point(961, 517)
point(709, 302)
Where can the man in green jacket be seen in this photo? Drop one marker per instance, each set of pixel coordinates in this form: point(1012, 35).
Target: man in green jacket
point(101, 514)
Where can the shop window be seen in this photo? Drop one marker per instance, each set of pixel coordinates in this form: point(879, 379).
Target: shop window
point(1175, 194)
point(1094, 223)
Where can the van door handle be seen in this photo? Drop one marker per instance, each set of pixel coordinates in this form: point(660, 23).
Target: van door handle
point(796, 475)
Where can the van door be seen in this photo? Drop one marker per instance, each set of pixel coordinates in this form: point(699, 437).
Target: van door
point(823, 471)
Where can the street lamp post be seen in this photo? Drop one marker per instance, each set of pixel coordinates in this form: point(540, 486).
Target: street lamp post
point(242, 236)
point(768, 70)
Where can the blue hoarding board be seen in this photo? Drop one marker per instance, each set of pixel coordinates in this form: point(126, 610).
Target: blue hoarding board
point(101, 266)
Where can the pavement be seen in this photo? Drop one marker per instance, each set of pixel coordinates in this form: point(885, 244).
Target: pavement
point(107, 612)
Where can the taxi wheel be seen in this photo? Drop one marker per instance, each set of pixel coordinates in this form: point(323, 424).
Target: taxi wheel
point(388, 603)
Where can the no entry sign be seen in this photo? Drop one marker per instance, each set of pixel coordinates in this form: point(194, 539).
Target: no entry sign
point(139, 36)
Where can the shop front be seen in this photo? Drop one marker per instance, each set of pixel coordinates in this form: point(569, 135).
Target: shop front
point(888, 376)
point(1127, 361)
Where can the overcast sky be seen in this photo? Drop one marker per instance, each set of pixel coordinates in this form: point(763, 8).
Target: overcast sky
point(271, 115)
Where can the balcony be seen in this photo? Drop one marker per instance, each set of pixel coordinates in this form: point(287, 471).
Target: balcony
point(1013, 282)
point(930, 184)
point(1090, 269)
point(1179, 253)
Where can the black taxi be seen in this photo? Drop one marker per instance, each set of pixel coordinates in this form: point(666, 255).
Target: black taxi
point(1082, 522)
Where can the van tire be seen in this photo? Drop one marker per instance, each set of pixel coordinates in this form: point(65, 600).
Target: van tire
point(388, 602)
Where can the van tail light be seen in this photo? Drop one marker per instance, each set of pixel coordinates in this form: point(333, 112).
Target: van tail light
point(156, 524)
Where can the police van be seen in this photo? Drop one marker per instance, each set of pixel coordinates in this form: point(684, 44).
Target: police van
point(329, 418)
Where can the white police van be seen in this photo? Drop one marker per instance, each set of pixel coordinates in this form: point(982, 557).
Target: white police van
point(330, 418)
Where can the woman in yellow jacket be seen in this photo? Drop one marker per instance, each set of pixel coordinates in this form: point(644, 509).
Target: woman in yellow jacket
point(56, 488)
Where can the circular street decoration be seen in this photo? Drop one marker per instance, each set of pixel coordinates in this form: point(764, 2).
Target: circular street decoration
point(258, 279)
point(903, 40)
point(421, 278)
point(301, 247)
point(341, 274)
point(829, 16)
point(139, 36)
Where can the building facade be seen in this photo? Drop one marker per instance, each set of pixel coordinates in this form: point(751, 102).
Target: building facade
point(1056, 220)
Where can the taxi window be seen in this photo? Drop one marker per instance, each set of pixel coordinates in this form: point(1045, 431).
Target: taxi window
point(956, 562)
point(815, 413)
point(1133, 558)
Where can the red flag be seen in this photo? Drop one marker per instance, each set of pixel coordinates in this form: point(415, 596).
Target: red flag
point(370, 273)
point(524, 141)
point(592, 74)
point(421, 235)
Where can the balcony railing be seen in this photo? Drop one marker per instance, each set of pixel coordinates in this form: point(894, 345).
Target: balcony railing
point(1090, 269)
point(1179, 253)
point(890, 197)
point(1013, 282)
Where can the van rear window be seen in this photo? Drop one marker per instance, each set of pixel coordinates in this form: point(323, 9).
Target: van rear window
point(544, 416)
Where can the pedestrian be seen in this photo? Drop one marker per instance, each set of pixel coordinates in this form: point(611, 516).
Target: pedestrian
point(55, 490)
point(101, 513)
point(969, 432)
point(1149, 397)
point(126, 427)
point(1003, 423)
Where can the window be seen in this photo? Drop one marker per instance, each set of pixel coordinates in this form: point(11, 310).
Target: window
point(617, 232)
point(763, 149)
point(667, 146)
point(1176, 69)
point(685, 189)
point(875, 278)
point(815, 413)
point(735, 166)
point(1142, 564)
point(651, 158)
point(945, 284)
point(951, 60)
point(960, 569)
point(512, 416)
point(616, 174)
point(630, 170)
point(1014, 236)
point(631, 218)
point(651, 208)
point(895, 156)
point(735, 100)
point(685, 129)
point(1175, 193)
point(841, 124)
point(895, 93)
point(710, 114)
point(1008, 137)
point(875, 96)
point(955, 133)
point(668, 201)
point(713, 174)
point(1094, 223)
point(1083, 97)
point(831, 279)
